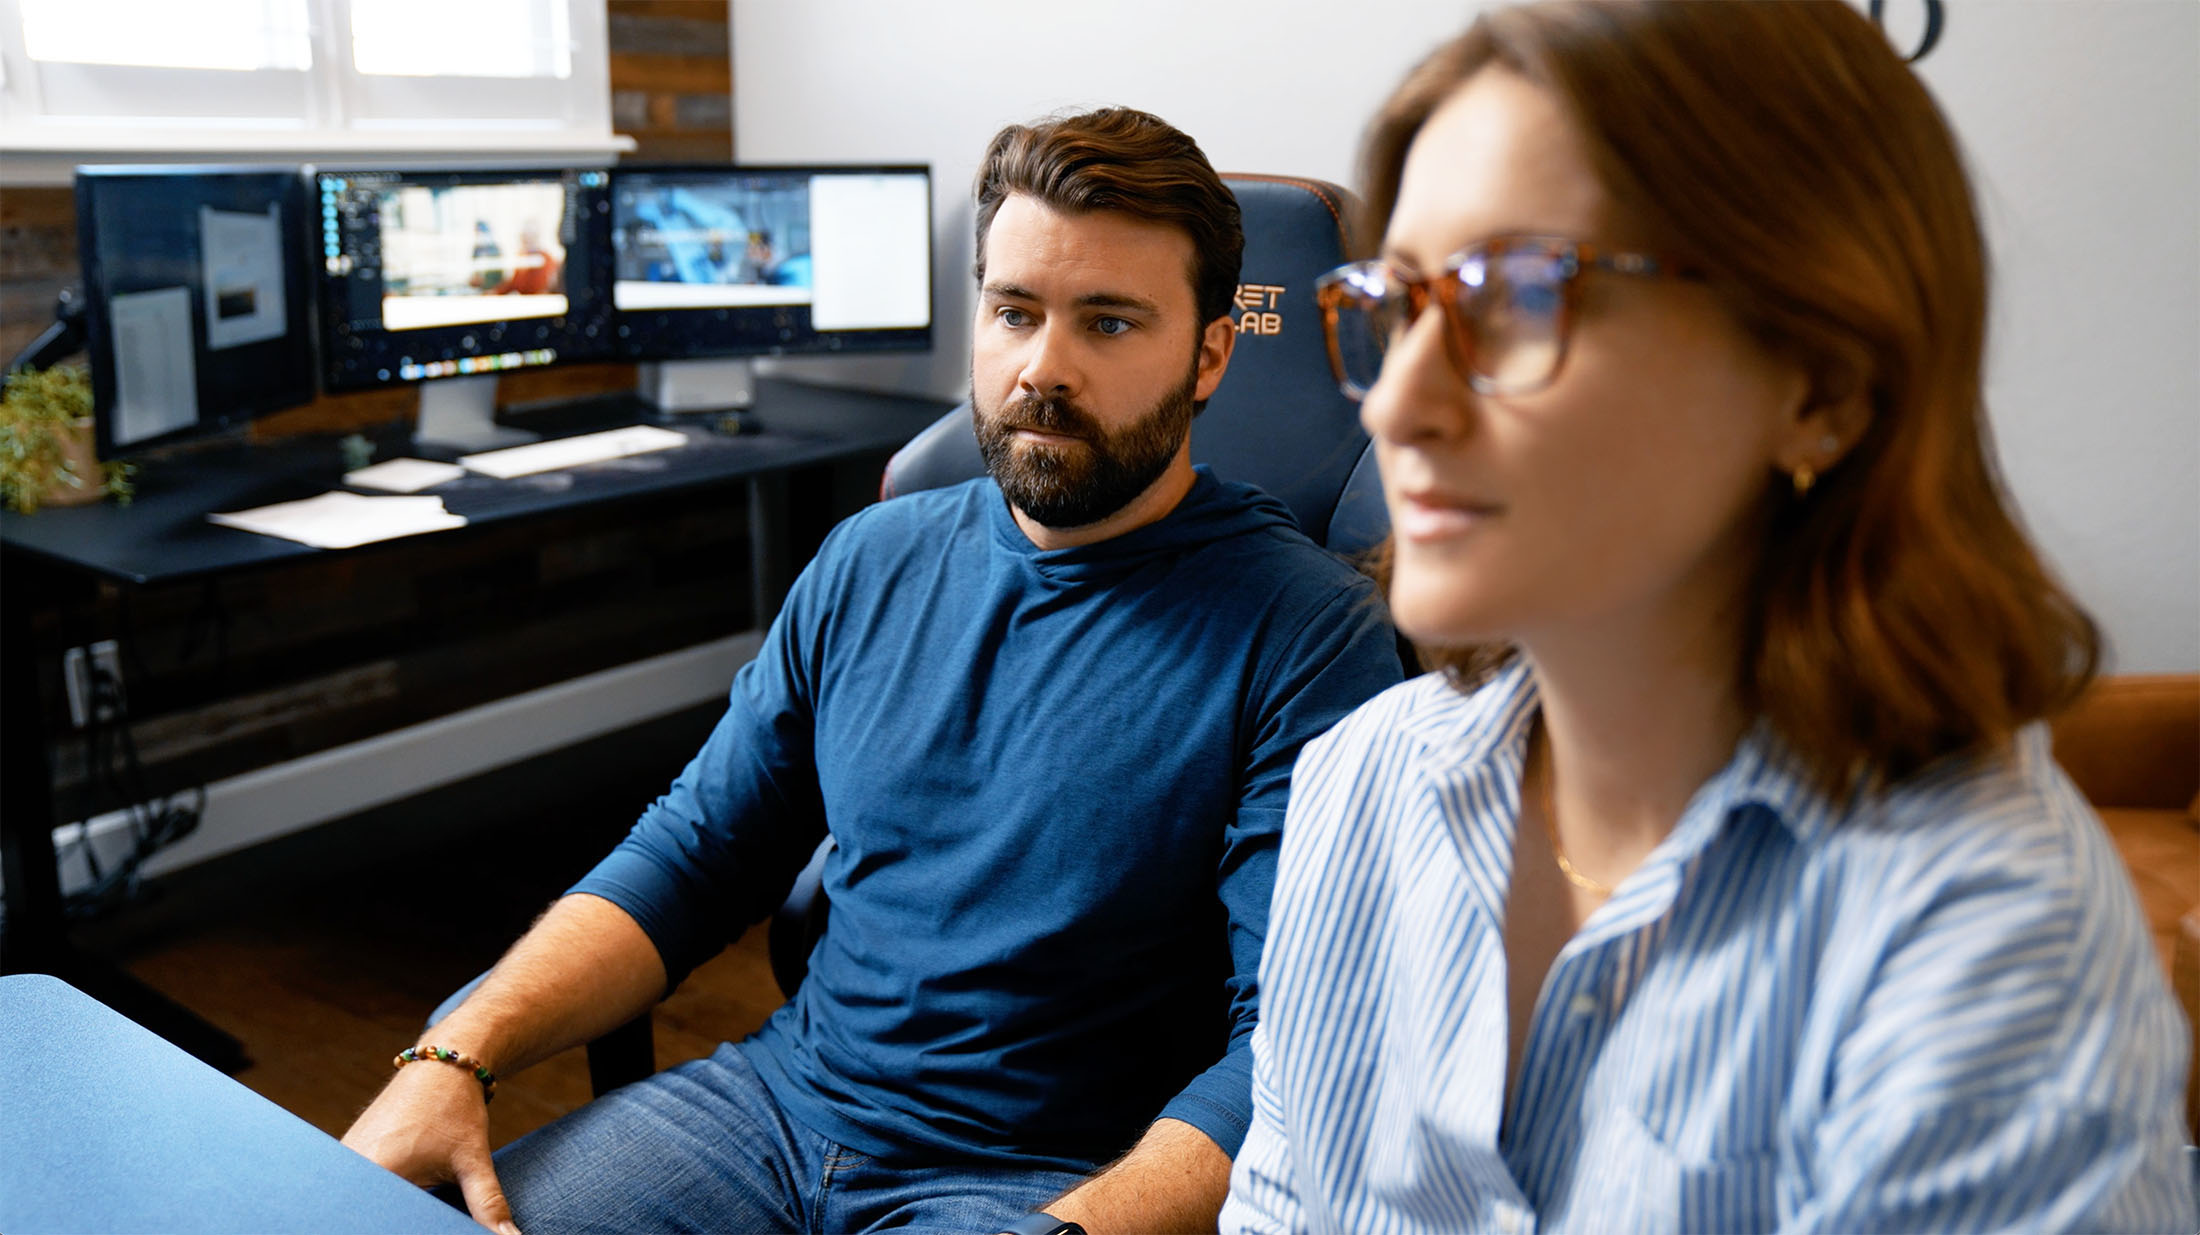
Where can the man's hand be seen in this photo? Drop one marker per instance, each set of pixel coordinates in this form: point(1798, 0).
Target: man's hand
point(583, 969)
point(430, 1124)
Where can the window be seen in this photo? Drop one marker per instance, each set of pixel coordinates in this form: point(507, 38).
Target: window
point(300, 80)
point(206, 34)
point(485, 38)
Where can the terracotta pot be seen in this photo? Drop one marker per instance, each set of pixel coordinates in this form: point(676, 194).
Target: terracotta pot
point(77, 448)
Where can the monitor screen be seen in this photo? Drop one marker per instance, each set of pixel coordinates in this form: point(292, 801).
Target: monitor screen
point(449, 273)
point(767, 261)
point(195, 293)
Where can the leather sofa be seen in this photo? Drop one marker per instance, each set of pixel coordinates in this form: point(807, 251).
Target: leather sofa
point(2132, 745)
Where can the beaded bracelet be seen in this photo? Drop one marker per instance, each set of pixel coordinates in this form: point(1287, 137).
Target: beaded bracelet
point(488, 1079)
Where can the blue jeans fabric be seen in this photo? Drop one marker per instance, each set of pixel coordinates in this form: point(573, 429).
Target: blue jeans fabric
point(704, 1147)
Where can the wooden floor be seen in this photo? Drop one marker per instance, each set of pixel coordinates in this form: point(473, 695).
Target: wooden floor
point(325, 955)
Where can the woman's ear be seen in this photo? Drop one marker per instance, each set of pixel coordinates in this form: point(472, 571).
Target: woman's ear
point(1832, 419)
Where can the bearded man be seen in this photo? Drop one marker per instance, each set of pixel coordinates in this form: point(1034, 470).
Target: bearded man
point(1048, 717)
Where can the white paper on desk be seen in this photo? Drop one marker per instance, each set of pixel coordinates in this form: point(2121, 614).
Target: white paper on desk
point(338, 520)
point(403, 475)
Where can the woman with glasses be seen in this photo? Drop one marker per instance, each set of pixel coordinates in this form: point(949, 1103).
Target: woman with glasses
point(1721, 879)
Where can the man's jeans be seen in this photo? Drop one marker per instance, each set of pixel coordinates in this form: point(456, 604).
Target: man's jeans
point(704, 1147)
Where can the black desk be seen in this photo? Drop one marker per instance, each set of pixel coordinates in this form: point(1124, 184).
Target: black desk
point(163, 537)
point(104, 1127)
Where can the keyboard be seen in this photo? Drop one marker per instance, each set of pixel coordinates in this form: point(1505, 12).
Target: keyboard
point(572, 451)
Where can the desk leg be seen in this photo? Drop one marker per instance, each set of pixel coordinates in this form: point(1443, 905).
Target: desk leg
point(34, 935)
point(771, 530)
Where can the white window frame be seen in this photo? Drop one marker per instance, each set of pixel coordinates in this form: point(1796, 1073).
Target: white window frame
point(329, 114)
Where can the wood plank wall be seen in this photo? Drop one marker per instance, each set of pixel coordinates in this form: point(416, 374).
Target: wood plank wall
point(672, 79)
point(37, 259)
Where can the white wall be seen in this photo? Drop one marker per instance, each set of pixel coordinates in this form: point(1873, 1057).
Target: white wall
point(2082, 121)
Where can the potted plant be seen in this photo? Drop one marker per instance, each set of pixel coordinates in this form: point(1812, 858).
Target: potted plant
point(46, 453)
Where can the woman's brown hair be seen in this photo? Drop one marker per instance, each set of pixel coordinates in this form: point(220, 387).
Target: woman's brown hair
point(1898, 613)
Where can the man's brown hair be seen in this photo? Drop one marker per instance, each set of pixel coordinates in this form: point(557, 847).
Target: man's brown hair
point(1127, 161)
point(1897, 613)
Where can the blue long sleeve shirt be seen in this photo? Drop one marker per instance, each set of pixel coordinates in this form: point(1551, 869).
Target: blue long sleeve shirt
point(1056, 782)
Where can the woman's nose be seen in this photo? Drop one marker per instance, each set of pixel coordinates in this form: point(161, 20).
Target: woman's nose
point(1419, 392)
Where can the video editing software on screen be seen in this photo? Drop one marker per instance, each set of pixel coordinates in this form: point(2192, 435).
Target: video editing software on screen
point(438, 274)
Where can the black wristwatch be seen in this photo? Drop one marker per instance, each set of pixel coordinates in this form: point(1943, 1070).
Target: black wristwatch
point(1041, 1224)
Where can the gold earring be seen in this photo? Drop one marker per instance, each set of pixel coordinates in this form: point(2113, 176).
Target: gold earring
point(1804, 477)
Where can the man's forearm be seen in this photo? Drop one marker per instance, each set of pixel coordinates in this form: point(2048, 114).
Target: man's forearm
point(1173, 1180)
point(583, 969)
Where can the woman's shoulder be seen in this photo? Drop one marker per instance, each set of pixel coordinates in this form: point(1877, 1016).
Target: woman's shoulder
point(1984, 894)
point(2010, 809)
point(1999, 843)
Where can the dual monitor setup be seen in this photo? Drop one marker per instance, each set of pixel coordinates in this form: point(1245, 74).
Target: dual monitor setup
point(213, 295)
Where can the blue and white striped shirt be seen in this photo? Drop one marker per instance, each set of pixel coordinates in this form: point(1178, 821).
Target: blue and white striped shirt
point(1934, 1009)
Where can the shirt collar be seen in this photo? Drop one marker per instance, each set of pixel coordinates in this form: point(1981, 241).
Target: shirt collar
point(1470, 730)
point(1463, 729)
point(1766, 772)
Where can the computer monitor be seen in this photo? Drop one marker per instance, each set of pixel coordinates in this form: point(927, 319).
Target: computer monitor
point(715, 264)
point(451, 277)
point(195, 295)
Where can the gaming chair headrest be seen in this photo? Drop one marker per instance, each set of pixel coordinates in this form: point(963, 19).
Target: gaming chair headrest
point(1278, 420)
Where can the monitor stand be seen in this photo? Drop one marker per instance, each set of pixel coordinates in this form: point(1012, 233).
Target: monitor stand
point(459, 413)
point(725, 384)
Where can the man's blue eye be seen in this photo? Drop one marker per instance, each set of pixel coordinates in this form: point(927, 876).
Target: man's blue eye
point(1111, 325)
point(1012, 317)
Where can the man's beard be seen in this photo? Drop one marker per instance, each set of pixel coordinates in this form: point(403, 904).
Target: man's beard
point(1076, 484)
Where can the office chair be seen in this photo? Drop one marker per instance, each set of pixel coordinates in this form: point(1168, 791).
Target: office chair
point(1277, 421)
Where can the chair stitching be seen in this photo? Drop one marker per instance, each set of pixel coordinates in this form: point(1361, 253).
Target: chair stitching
point(1318, 189)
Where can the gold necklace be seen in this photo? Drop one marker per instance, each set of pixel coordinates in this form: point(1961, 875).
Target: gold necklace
point(1550, 829)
